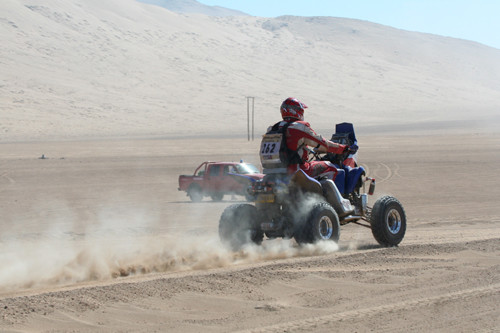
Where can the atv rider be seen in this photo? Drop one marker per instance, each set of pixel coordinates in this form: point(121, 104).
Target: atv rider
point(293, 135)
point(299, 134)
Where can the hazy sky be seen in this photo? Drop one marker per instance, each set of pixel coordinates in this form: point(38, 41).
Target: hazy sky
point(477, 20)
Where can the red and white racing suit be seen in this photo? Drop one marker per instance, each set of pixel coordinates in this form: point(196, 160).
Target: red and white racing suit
point(299, 135)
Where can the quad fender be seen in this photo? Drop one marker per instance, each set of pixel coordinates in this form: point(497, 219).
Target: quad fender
point(352, 177)
point(342, 206)
point(307, 184)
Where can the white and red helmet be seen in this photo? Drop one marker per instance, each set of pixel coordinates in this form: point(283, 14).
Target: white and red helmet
point(292, 108)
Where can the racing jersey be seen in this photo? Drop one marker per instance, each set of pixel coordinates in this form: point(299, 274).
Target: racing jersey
point(300, 134)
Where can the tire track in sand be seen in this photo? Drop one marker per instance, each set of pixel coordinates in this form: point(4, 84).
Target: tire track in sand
point(388, 170)
point(382, 172)
point(6, 176)
point(312, 323)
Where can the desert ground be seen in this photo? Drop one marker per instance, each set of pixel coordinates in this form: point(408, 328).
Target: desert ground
point(96, 238)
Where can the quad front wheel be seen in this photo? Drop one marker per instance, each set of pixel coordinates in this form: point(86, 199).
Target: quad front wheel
point(388, 221)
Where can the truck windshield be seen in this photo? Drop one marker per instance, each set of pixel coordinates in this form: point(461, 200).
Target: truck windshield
point(245, 169)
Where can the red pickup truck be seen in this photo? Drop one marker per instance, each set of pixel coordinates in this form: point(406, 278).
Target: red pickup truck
point(215, 179)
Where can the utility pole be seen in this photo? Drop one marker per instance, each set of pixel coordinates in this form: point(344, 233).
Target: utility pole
point(250, 98)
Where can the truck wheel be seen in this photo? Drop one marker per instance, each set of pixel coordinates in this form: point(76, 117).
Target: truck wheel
point(322, 223)
point(194, 192)
point(217, 196)
point(239, 225)
point(388, 221)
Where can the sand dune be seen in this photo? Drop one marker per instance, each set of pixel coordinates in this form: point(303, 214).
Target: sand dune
point(194, 7)
point(123, 68)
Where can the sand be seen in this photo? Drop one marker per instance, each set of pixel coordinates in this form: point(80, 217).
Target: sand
point(120, 98)
point(96, 237)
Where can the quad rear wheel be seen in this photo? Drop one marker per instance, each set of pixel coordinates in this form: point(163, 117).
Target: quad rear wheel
point(322, 223)
point(388, 221)
point(239, 225)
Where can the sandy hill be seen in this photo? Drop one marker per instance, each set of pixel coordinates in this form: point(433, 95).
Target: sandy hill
point(92, 68)
point(193, 6)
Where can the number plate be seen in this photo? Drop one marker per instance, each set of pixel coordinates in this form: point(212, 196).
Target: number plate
point(265, 198)
point(270, 147)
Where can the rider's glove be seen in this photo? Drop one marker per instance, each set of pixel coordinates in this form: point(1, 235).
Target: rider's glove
point(353, 149)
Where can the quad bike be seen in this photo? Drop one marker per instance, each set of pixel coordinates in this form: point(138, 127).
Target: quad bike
point(310, 210)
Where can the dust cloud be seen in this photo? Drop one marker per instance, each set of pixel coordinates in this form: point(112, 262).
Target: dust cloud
point(125, 243)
